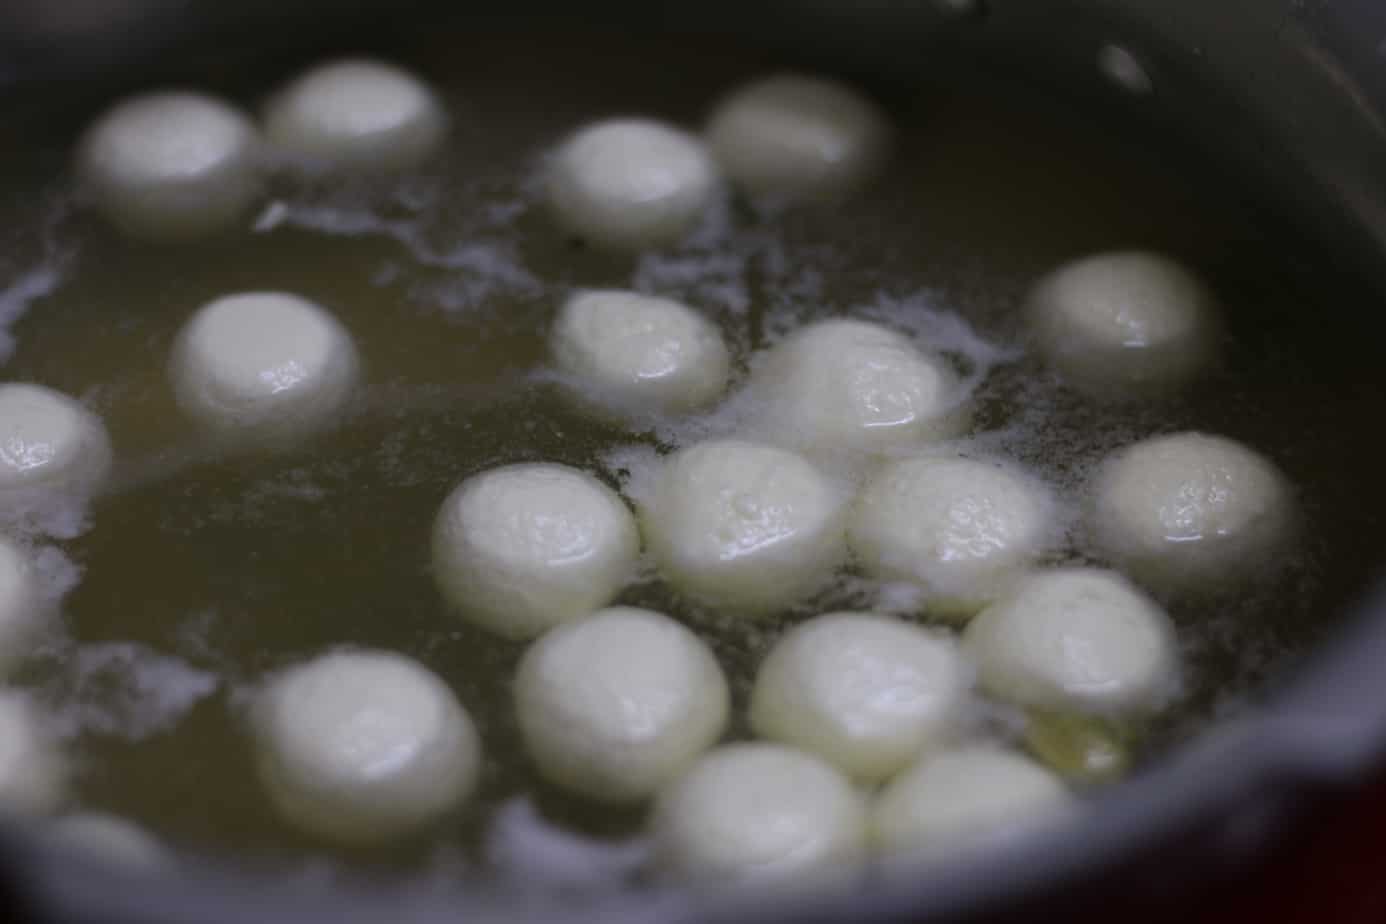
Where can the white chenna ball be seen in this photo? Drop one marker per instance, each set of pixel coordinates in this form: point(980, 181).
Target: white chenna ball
point(799, 137)
point(359, 114)
point(1124, 324)
point(1190, 512)
point(172, 164)
point(18, 602)
point(961, 528)
point(639, 352)
point(49, 443)
point(33, 770)
point(522, 548)
point(613, 706)
point(109, 839)
point(958, 799)
point(760, 813)
point(1075, 638)
point(864, 692)
point(630, 183)
point(855, 386)
point(263, 367)
point(744, 526)
point(363, 747)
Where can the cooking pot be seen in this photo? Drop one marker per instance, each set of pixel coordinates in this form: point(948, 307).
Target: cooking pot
point(1287, 98)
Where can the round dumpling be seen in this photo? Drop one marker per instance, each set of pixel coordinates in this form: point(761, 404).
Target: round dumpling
point(1124, 324)
point(639, 352)
point(522, 548)
point(49, 443)
point(630, 183)
point(956, 799)
point(358, 113)
point(172, 164)
point(864, 692)
point(760, 813)
point(613, 706)
point(855, 386)
point(1190, 512)
point(1075, 638)
point(743, 526)
point(963, 529)
point(799, 137)
point(363, 747)
point(263, 367)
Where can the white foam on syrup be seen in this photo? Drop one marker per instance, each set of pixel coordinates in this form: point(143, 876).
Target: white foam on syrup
point(482, 256)
point(55, 573)
point(126, 690)
point(15, 299)
point(724, 268)
point(47, 515)
point(25, 287)
point(940, 330)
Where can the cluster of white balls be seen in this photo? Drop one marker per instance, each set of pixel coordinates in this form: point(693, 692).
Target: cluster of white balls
point(630, 183)
point(251, 370)
point(864, 718)
point(180, 163)
point(254, 370)
point(176, 164)
point(52, 448)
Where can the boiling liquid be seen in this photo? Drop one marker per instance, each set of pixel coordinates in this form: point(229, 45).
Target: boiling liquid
point(199, 571)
